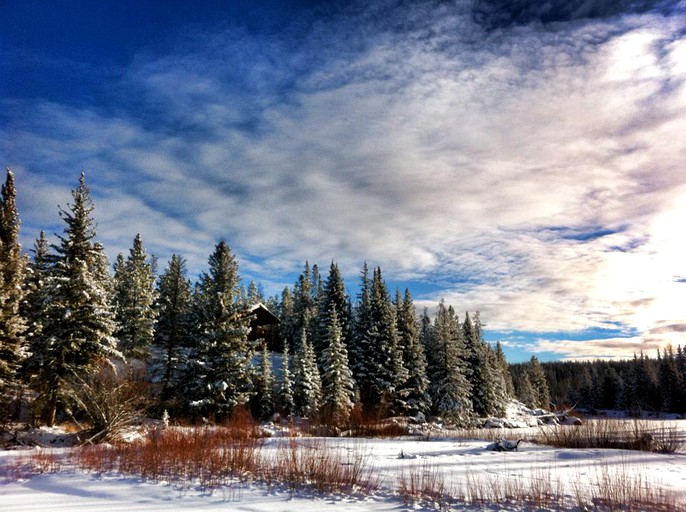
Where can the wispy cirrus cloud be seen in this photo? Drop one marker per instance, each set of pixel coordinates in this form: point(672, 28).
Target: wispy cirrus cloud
point(531, 171)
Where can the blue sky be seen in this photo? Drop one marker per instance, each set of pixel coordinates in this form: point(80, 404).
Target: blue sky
point(521, 159)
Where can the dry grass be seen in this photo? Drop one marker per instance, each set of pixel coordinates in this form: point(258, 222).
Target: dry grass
point(311, 464)
point(623, 487)
point(216, 458)
point(613, 434)
point(424, 483)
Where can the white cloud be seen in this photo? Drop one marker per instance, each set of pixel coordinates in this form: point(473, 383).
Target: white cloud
point(440, 151)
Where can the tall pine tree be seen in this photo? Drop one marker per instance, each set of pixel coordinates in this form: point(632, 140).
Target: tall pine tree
point(451, 389)
point(219, 374)
point(12, 291)
point(78, 322)
point(136, 294)
point(307, 384)
point(337, 380)
point(416, 388)
point(173, 328)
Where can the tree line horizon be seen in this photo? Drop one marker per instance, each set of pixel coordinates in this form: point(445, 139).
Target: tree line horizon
point(67, 314)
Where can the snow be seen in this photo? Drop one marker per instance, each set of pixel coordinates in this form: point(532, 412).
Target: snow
point(458, 461)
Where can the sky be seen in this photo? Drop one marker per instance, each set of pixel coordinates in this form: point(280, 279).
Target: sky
point(517, 158)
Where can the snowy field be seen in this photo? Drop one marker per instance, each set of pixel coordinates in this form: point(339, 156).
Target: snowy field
point(456, 468)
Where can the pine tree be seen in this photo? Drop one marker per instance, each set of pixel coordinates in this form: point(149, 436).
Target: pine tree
point(12, 291)
point(451, 389)
point(136, 295)
point(173, 328)
point(379, 371)
point(501, 361)
point(670, 381)
point(286, 402)
point(333, 296)
point(527, 395)
point(263, 404)
point(337, 381)
point(78, 322)
point(539, 384)
point(305, 304)
point(416, 387)
point(307, 385)
point(37, 273)
point(360, 343)
point(219, 375)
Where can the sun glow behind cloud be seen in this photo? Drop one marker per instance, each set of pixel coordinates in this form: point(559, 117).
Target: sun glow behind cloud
point(532, 172)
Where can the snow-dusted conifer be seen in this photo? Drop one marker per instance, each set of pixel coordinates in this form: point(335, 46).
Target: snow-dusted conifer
point(333, 295)
point(305, 304)
point(78, 321)
point(307, 384)
point(173, 329)
point(262, 401)
point(486, 382)
point(337, 380)
point(450, 386)
point(416, 387)
point(360, 341)
point(286, 404)
point(12, 291)
point(539, 383)
point(136, 294)
point(218, 376)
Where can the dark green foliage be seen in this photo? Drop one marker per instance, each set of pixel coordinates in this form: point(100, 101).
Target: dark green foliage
point(637, 385)
point(12, 291)
point(172, 337)
point(135, 297)
point(262, 402)
point(450, 386)
point(218, 377)
point(307, 384)
point(77, 319)
point(285, 399)
point(414, 393)
point(337, 379)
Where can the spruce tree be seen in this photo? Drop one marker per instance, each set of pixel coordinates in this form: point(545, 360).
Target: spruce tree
point(286, 403)
point(38, 270)
point(333, 296)
point(501, 361)
point(12, 291)
point(539, 384)
point(263, 404)
point(218, 377)
point(476, 358)
point(360, 341)
point(307, 385)
point(379, 372)
point(337, 381)
point(416, 387)
point(78, 322)
point(173, 328)
point(451, 389)
point(136, 294)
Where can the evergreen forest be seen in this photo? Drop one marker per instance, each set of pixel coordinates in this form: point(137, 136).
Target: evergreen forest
point(78, 332)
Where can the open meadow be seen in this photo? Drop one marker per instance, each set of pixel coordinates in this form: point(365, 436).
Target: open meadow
point(217, 468)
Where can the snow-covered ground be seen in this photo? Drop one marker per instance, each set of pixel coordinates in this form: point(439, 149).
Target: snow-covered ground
point(462, 467)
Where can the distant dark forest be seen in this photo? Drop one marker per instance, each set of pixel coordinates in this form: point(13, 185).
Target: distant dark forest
point(640, 385)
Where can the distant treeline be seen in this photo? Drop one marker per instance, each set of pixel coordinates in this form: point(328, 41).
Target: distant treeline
point(639, 385)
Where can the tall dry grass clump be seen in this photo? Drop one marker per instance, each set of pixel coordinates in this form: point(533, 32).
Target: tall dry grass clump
point(613, 434)
point(424, 483)
point(208, 457)
point(623, 487)
point(312, 464)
